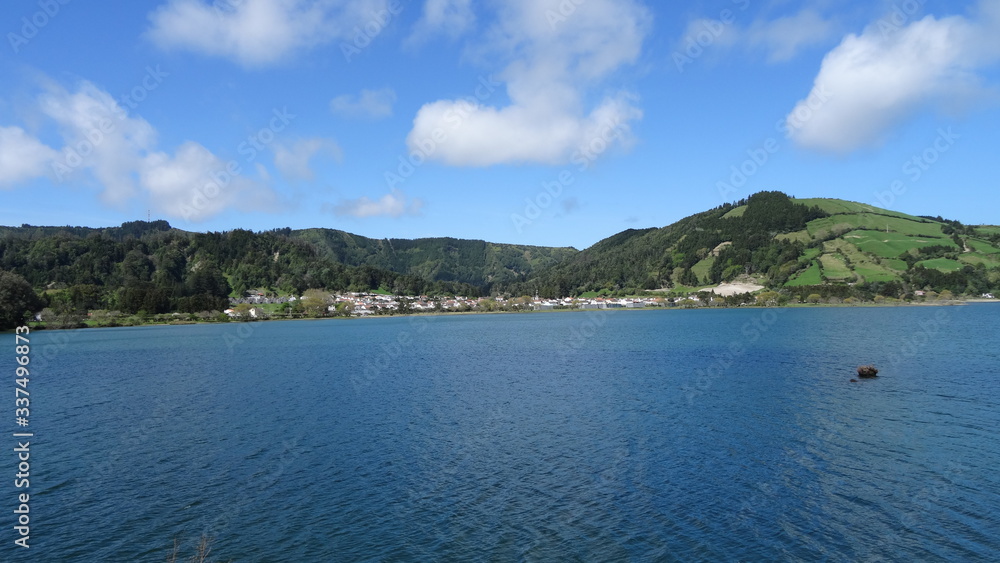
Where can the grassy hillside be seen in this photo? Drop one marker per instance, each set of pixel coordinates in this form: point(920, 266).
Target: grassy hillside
point(789, 243)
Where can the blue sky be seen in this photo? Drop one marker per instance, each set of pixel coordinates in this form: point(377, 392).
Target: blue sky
point(550, 122)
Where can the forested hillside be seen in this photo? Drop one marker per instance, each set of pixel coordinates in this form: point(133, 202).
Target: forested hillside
point(739, 238)
point(483, 264)
point(150, 267)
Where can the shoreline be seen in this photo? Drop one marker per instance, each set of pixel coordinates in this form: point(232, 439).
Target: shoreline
point(33, 325)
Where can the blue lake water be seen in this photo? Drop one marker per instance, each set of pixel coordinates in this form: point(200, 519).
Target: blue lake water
point(714, 435)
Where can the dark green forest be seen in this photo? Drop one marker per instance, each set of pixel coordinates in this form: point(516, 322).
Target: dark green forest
point(153, 268)
point(769, 238)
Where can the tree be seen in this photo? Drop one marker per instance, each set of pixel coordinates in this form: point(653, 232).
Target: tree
point(243, 311)
point(315, 302)
point(17, 300)
point(768, 298)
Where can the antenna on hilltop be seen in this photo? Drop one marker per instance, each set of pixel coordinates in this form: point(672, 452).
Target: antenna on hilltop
point(147, 216)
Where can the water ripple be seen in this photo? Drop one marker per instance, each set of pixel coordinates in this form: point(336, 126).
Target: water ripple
point(503, 438)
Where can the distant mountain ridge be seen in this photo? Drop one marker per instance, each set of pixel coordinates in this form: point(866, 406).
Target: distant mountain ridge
point(790, 245)
point(474, 262)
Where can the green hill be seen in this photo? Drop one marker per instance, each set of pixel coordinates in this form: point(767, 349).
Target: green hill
point(475, 262)
point(825, 245)
point(151, 267)
point(797, 247)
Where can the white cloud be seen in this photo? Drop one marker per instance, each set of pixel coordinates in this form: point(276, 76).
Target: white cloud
point(556, 55)
point(259, 32)
point(262, 172)
point(784, 37)
point(22, 157)
point(293, 160)
point(194, 184)
point(780, 39)
point(119, 151)
point(392, 204)
point(878, 79)
point(451, 18)
point(369, 103)
point(100, 137)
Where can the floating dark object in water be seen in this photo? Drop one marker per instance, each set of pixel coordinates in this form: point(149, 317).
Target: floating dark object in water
point(854, 380)
point(867, 372)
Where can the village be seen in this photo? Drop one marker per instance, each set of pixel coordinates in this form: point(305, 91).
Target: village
point(257, 305)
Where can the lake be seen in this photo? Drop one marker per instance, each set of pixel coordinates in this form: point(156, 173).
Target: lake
point(702, 435)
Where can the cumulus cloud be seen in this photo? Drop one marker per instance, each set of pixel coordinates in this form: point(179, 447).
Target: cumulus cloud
point(451, 18)
point(258, 32)
point(556, 55)
point(119, 151)
point(100, 138)
point(293, 160)
point(369, 103)
point(22, 157)
point(872, 82)
point(393, 204)
point(780, 39)
point(195, 184)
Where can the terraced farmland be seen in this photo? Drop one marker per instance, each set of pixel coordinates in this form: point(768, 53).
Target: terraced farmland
point(892, 244)
point(863, 244)
point(868, 221)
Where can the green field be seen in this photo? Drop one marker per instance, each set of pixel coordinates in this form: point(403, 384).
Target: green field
point(891, 245)
point(834, 268)
point(982, 246)
point(819, 227)
point(989, 229)
point(839, 206)
point(801, 236)
point(943, 264)
point(737, 212)
point(989, 260)
point(895, 264)
point(875, 274)
point(870, 269)
point(809, 276)
point(702, 268)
